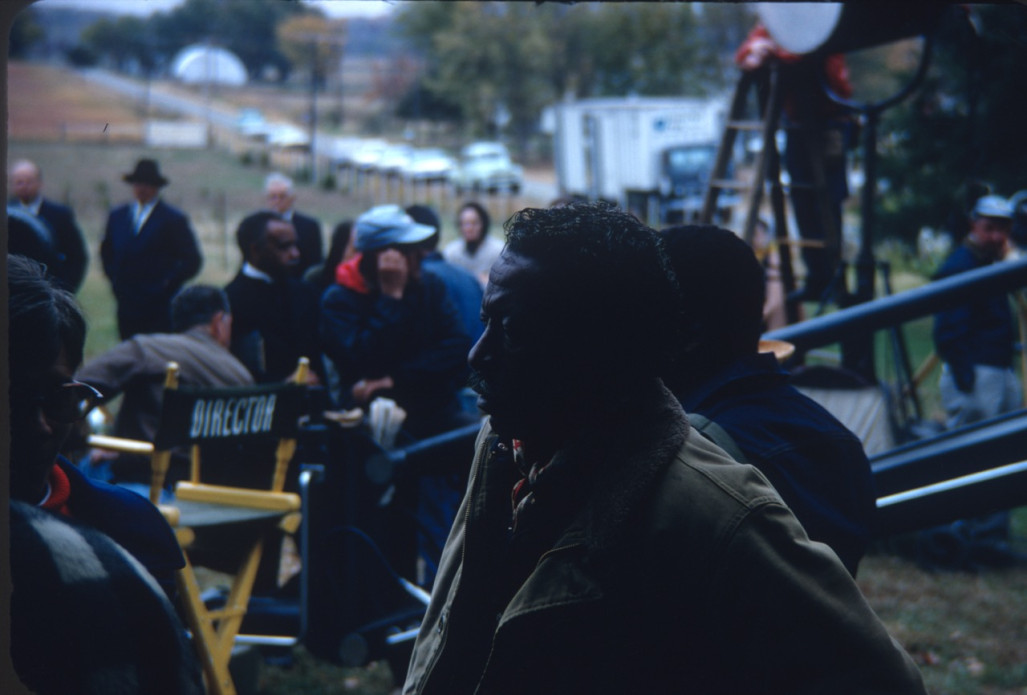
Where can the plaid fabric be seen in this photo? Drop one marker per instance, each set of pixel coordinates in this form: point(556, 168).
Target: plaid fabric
point(87, 618)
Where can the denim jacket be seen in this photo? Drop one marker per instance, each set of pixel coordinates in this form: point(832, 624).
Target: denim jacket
point(815, 463)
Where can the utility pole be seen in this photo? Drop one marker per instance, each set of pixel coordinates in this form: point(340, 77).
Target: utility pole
point(314, 62)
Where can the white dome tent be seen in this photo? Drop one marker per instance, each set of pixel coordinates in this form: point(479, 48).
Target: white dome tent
point(201, 64)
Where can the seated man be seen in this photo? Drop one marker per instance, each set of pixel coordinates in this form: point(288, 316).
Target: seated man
point(47, 334)
point(202, 319)
point(275, 315)
point(815, 463)
point(603, 547)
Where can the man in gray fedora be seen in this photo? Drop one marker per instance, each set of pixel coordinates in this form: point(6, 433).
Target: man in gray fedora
point(149, 250)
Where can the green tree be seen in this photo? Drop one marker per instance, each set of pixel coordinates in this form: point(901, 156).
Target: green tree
point(490, 59)
point(652, 49)
point(26, 31)
point(495, 58)
point(965, 124)
point(125, 41)
point(312, 42)
point(245, 27)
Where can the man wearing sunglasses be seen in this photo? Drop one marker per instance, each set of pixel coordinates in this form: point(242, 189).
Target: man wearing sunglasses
point(47, 334)
point(274, 314)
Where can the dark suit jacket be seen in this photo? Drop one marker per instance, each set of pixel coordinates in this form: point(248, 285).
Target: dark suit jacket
point(71, 245)
point(148, 268)
point(69, 257)
point(308, 232)
point(273, 325)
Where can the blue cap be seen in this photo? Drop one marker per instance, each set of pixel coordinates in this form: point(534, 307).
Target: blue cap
point(993, 206)
point(388, 225)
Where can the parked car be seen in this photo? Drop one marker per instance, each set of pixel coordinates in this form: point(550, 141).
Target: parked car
point(486, 166)
point(365, 156)
point(251, 124)
point(428, 165)
point(393, 159)
point(287, 135)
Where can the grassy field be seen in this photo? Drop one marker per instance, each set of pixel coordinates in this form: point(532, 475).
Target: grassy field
point(966, 630)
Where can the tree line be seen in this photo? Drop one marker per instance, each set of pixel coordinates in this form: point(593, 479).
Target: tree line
point(490, 68)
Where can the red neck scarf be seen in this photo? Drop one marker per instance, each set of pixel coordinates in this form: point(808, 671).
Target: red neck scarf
point(60, 492)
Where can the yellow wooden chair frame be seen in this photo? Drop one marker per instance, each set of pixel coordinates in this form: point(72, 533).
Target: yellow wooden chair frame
point(197, 504)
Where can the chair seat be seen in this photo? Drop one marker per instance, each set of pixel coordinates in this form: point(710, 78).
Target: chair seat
point(199, 514)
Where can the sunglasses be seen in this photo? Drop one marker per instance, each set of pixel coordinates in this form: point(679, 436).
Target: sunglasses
point(67, 403)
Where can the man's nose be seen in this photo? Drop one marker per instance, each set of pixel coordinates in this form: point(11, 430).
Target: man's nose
point(476, 356)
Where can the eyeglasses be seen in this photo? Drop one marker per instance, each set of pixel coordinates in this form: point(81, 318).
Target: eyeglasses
point(67, 403)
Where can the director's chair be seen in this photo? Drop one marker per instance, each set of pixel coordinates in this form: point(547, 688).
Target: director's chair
point(240, 419)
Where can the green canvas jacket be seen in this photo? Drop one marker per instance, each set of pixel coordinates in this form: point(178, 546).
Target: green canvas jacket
point(683, 572)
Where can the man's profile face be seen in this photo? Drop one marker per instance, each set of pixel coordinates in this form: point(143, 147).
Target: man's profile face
point(279, 198)
point(25, 182)
point(278, 253)
point(36, 438)
point(520, 368)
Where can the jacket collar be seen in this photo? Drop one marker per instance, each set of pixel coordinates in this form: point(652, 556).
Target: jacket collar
point(625, 460)
point(758, 366)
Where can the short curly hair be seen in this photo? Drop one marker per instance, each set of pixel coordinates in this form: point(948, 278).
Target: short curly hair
point(609, 280)
point(253, 229)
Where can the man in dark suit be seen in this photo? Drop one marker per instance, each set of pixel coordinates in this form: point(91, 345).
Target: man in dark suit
point(274, 314)
point(281, 198)
point(149, 251)
point(69, 246)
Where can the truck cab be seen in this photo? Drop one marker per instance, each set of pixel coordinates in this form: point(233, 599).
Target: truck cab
point(684, 176)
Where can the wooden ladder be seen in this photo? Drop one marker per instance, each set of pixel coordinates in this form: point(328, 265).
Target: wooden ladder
point(766, 85)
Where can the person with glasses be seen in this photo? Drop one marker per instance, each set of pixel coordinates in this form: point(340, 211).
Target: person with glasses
point(274, 314)
point(47, 334)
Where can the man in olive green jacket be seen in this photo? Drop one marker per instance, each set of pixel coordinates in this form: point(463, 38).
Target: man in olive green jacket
point(602, 546)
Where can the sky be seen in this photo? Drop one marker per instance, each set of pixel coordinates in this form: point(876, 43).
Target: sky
point(332, 8)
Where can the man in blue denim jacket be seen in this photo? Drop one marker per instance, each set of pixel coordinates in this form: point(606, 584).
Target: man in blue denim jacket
point(816, 464)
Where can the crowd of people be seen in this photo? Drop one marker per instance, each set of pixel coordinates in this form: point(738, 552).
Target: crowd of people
point(647, 490)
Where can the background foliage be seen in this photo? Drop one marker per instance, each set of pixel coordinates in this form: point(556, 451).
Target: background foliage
point(964, 127)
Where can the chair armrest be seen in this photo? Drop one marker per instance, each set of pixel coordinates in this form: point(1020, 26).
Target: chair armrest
point(128, 446)
point(238, 497)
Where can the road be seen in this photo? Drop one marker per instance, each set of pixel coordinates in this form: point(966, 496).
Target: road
point(538, 185)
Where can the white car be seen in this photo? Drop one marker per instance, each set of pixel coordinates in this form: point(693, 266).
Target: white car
point(287, 135)
point(393, 159)
point(365, 156)
point(486, 166)
point(251, 124)
point(428, 165)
